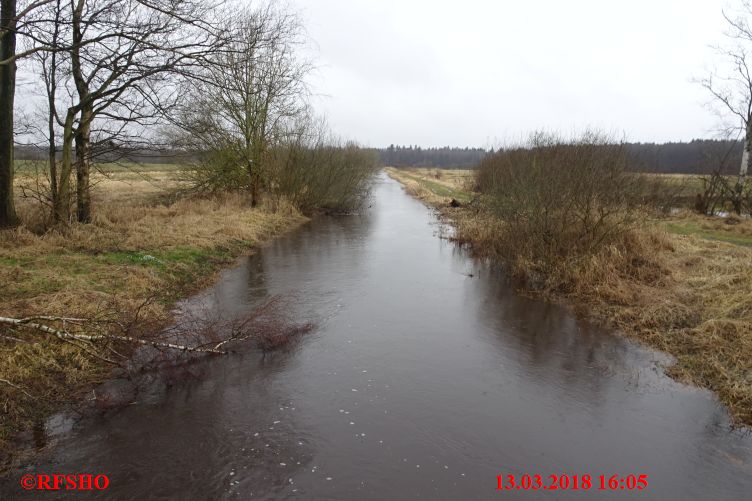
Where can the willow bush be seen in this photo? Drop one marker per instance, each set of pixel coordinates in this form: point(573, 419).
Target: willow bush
point(329, 176)
point(560, 200)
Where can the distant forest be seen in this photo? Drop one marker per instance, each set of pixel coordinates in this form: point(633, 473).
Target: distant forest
point(415, 156)
point(694, 157)
point(699, 156)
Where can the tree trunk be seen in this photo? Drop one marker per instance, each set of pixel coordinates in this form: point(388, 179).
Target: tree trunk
point(255, 165)
point(83, 167)
point(52, 159)
point(251, 166)
point(7, 94)
point(254, 189)
point(62, 208)
point(51, 87)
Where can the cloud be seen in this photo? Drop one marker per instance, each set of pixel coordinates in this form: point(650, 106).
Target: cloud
point(439, 72)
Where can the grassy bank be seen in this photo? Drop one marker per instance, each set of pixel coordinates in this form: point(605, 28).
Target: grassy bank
point(140, 245)
point(681, 284)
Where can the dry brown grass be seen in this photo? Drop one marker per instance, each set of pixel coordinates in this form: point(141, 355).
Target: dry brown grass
point(424, 184)
point(458, 179)
point(685, 293)
point(138, 246)
point(688, 296)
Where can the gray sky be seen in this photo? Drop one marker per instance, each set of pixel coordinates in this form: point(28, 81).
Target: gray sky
point(476, 73)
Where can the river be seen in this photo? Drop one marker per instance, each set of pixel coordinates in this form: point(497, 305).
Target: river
point(426, 377)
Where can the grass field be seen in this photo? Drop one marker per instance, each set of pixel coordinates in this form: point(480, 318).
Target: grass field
point(141, 244)
point(38, 166)
point(683, 286)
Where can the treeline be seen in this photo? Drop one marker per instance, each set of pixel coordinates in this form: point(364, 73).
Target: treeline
point(110, 153)
point(699, 156)
point(415, 156)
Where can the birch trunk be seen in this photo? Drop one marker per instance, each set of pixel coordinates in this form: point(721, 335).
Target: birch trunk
point(744, 168)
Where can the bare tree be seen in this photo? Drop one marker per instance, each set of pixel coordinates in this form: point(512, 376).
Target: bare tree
point(126, 75)
point(111, 68)
point(250, 90)
point(733, 91)
point(716, 188)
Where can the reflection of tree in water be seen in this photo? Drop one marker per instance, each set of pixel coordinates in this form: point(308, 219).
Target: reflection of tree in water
point(257, 290)
point(576, 354)
point(558, 345)
point(312, 266)
point(284, 267)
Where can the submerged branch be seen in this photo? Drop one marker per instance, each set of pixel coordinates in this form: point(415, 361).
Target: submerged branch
point(66, 336)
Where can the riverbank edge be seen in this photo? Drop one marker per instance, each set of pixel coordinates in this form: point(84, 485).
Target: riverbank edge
point(174, 272)
point(689, 366)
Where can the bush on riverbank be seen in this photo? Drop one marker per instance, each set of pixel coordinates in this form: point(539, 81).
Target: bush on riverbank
point(328, 176)
point(558, 203)
point(320, 175)
point(307, 167)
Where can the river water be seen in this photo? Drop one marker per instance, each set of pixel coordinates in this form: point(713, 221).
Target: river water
point(419, 382)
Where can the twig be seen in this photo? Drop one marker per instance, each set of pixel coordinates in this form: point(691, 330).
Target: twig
point(18, 388)
point(16, 339)
point(91, 352)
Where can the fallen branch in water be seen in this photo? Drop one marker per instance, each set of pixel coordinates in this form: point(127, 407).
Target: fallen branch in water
point(67, 336)
point(197, 331)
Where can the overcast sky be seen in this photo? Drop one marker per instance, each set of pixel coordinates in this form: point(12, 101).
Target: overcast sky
point(476, 73)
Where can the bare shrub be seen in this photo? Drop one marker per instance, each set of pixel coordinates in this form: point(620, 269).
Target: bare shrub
point(215, 170)
point(315, 171)
point(307, 167)
point(560, 200)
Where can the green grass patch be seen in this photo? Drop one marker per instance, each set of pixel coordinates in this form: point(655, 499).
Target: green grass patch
point(164, 259)
point(131, 258)
point(689, 228)
point(15, 261)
